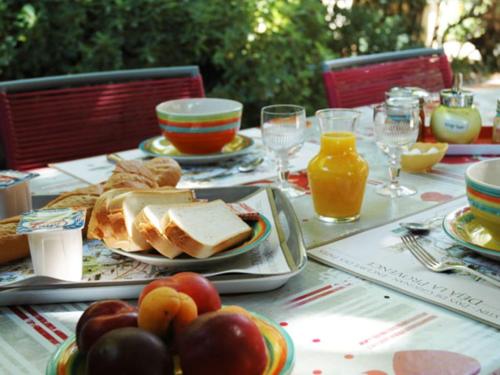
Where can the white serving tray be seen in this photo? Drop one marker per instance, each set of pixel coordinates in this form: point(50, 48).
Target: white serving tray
point(37, 290)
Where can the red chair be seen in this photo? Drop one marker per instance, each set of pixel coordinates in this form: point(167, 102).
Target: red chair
point(361, 80)
point(45, 120)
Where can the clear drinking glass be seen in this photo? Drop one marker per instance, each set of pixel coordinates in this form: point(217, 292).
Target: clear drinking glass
point(396, 124)
point(283, 131)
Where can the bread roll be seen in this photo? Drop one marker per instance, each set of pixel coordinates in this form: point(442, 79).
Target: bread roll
point(131, 174)
point(167, 171)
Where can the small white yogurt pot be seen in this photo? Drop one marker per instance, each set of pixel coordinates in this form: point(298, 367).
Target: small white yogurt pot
point(15, 194)
point(55, 241)
point(57, 254)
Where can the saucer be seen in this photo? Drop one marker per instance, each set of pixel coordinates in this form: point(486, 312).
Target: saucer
point(160, 146)
point(462, 226)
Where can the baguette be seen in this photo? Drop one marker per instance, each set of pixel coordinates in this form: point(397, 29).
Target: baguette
point(205, 229)
point(13, 246)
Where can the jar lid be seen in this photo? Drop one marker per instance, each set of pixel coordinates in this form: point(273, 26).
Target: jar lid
point(403, 102)
point(11, 177)
point(55, 219)
point(457, 99)
point(417, 92)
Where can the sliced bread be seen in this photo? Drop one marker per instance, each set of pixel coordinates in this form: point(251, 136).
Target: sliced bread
point(150, 223)
point(99, 225)
point(124, 209)
point(203, 230)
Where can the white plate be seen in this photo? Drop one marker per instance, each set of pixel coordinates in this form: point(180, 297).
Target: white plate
point(261, 230)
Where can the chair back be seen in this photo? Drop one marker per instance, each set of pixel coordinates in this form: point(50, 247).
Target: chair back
point(361, 80)
point(52, 119)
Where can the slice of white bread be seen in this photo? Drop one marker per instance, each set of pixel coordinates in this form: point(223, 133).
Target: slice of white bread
point(203, 230)
point(124, 209)
point(99, 225)
point(150, 223)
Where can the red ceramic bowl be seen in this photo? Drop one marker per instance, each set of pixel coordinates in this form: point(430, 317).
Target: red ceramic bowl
point(199, 125)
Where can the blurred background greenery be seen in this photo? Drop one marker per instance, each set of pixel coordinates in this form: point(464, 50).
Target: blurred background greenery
point(255, 51)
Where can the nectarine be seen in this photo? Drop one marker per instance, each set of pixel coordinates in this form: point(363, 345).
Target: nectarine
point(129, 351)
point(200, 289)
point(102, 317)
point(222, 344)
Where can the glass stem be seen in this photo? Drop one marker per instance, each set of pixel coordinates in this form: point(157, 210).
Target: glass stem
point(282, 165)
point(394, 169)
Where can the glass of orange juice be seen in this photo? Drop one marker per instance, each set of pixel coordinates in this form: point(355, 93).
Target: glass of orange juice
point(337, 175)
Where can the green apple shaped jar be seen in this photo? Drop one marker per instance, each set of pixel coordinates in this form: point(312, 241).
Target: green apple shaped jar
point(456, 120)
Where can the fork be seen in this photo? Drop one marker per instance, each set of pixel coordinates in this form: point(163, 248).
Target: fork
point(423, 256)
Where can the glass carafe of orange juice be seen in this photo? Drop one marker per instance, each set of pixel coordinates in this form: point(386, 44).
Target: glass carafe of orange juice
point(337, 175)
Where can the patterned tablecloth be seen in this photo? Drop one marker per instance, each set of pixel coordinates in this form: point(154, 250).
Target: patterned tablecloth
point(339, 323)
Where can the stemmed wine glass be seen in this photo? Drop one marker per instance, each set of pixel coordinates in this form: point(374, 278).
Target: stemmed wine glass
point(396, 128)
point(283, 131)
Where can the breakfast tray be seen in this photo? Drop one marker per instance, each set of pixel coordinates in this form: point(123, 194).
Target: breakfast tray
point(124, 278)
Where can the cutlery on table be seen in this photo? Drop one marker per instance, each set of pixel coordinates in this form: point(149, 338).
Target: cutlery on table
point(420, 227)
point(424, 257)
point(250, 165)
point(246, 166)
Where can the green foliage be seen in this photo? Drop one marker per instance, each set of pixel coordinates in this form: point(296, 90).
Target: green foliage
point(255, 51)
point(375, 26)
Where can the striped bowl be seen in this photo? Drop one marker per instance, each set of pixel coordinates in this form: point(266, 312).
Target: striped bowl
point(483, 192)
point(199, 125)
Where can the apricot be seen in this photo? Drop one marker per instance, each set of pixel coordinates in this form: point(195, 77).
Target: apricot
point(186, 314)
point(198, 287)
point(165, 281)
point(157, 309)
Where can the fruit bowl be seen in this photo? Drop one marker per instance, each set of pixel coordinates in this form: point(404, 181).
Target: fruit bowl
point(421, 157)
point(66, 360)
point(199, 125)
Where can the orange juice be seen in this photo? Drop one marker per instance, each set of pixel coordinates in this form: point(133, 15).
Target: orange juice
point(337, 178)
